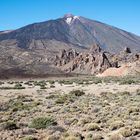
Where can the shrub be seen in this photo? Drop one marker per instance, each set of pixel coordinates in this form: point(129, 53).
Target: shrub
point(97, 137)
point(53, 137)
point(19, 106)
point(127, 82)
point(52, 86)
point(21, 103)
point(9, 125)
point(42, 122)
point(116, 125)
point(1, 83)
point(69, 82)
point(77, 93)
point(133, 109)
point(6, 88)
point(84, 121)
point(61, 99)
point(138, 91)
point(51, 82)
point(65, 98)
point(125, 93)
point(73, 138)
point(94, 136)
point(126, 132)
point(115, 137)
point(93, 127)
point(89, 136)
point(136, 125)
point(18, 86)
point(97, 81)
point(52, 96)
point(43, 87)
point(29, 138)
point(29, 83)
point(40, 83)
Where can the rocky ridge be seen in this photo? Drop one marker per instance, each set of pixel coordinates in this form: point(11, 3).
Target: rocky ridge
point(93, 61)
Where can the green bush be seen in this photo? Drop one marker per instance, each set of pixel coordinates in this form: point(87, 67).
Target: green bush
point(61, 100)
point(42, 122)
point(127, 82)
point(42, 84)
point(16, 106)
point(69, 98)
point(21, 103)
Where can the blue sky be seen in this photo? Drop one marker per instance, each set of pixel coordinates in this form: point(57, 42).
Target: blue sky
point(124, 14)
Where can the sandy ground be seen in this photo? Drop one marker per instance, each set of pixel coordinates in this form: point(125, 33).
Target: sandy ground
point(89, 89)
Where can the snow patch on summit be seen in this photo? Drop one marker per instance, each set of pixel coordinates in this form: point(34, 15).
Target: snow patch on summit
point(76, 17)
point(70, 19)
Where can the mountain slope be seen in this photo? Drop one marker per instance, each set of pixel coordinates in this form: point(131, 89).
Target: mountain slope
point(72, 30)
point(34, 49)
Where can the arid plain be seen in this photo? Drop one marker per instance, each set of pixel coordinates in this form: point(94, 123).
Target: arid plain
point(74, 108)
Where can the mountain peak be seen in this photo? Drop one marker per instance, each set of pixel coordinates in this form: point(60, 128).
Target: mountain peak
point(69, 18)
point(73, 31)
point(68, 15)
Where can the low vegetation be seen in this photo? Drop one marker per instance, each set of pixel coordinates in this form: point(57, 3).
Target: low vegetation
point(9, 125)
point(70, 109)
point(42, 122)
point(17, 85)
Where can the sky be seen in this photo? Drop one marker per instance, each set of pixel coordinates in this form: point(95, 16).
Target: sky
point(124, 14)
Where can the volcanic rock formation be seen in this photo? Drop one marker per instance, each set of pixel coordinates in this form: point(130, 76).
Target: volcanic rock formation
point(91, 62)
